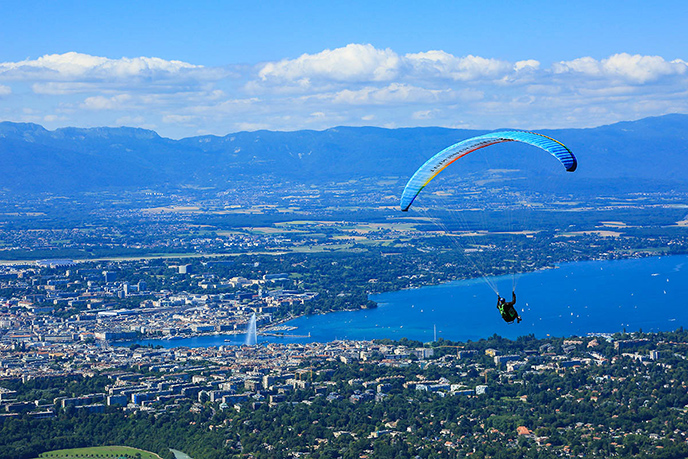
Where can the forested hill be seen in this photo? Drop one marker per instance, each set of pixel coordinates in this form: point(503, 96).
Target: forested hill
point(648, 151)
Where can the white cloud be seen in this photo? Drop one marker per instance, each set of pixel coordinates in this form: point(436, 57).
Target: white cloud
point(74, 66)
point(438, 64)
point(527, 65)
point(353, 63)
point(53, 118)
point(229, 107)
point(364, 64)
point(178, 118)
point(394, 93)
point(424, 114)
point(106, 103)
point(357, 84)
point(61, 88)
point(77, 73)
point(633, 68)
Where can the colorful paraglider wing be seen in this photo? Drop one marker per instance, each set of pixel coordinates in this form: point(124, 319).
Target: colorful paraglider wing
point(444, 158)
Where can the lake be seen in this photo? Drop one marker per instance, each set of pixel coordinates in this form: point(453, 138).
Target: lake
point(574, 299)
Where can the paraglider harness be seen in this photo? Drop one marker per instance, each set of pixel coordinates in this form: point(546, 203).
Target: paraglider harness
point(507, 310)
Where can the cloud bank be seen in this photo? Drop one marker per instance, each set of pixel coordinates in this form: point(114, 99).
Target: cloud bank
point(80, 67)
point(357, 84)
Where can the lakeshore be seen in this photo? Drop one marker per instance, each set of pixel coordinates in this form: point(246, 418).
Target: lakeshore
point(574, 299)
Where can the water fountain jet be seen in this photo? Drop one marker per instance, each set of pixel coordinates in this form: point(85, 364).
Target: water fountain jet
point(252, 331)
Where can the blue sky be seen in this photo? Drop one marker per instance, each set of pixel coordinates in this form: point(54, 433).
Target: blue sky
point(189, 68)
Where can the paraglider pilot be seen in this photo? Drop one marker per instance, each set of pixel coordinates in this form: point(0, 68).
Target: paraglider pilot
point(507, 310)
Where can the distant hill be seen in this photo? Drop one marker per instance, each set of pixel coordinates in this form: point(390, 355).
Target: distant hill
point(644, 153)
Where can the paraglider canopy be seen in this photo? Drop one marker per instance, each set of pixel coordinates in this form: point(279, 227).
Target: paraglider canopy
point(444, 158)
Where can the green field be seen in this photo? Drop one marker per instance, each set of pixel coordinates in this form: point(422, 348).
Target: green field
point(114, 452)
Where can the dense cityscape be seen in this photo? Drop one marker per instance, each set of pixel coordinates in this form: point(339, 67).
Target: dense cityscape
point(605, 395)
point(72, 325)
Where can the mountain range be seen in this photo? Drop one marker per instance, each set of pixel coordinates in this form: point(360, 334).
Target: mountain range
point(645, 153)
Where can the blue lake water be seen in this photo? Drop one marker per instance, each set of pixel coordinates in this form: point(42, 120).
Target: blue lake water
point(575, 299)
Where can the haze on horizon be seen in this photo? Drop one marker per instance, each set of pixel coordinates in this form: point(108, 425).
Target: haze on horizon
point(222, 67)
